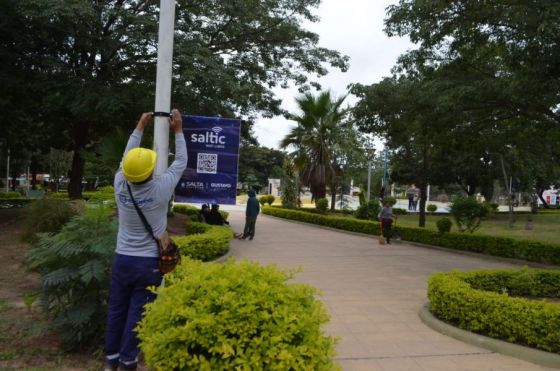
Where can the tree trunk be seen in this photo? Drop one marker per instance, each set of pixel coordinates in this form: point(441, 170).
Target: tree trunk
point(540, 192)
point(487, 191)
point(534, 204)
point(33, 168)
point(78, 163)
point(422, 211)
point(333, 197)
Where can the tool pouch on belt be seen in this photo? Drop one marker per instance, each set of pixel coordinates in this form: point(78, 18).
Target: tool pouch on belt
point(169, 255)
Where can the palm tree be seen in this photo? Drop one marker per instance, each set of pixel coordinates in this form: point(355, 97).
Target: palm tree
point(319, 128)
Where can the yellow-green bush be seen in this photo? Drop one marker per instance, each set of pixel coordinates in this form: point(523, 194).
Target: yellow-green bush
point(488, 302)
point(8, 195)
point(205, 246)
point(235, 316)
point(196, 227)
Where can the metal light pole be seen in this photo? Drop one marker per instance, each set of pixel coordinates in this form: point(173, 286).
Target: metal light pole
point(8, 172)
point(163, 82)
point(371, 153)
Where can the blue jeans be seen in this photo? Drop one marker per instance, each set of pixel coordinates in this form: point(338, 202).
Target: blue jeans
point(130, 277)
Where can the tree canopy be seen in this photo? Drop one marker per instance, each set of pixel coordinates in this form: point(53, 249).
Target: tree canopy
point(88, 66)
point(478, 92)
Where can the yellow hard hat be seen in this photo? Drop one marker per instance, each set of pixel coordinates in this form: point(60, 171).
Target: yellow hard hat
point(138, 164)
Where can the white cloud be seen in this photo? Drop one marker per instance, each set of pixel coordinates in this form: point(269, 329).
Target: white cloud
point(354, 28)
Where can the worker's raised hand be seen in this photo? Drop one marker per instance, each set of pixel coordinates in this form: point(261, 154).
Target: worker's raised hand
point(144, 121)
point(176, 121)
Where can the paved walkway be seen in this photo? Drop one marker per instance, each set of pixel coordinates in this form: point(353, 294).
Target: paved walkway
point(373, 294)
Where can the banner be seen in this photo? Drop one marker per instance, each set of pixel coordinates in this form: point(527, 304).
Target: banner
point(213, 153)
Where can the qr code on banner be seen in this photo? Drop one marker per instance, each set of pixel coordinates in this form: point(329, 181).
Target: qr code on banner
point(207, 163)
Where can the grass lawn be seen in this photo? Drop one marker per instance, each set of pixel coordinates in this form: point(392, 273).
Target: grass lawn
point(546, 227)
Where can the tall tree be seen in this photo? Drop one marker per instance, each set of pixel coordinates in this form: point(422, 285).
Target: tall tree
point(257, 164)
point(519, 38)
point(94, 62)
point(320, 124)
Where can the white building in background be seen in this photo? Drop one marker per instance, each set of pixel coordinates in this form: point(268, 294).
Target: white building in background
point(552, 197)
point(273, 187)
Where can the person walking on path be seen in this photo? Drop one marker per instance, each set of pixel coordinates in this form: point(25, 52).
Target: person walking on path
point(251, 213)
point(135, 266)
point(386, 218)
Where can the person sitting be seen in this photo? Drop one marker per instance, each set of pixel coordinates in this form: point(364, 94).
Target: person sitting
point(214, 217)
point(204, 213)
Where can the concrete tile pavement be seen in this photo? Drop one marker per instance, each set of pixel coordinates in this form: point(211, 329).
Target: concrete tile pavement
point(373, 294)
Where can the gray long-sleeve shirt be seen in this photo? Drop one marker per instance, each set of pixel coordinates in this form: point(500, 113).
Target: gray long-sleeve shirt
point(152, 197)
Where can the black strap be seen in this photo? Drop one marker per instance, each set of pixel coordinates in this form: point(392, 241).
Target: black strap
point(141, 214)
point(161, 114)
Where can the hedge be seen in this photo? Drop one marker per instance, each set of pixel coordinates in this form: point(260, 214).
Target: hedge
point(196, 228)
point(9, 195)
point(235, 316)
point(485, 302)
point(211, 244)
point(534, 251)
point(193, 211)
point(345, 223)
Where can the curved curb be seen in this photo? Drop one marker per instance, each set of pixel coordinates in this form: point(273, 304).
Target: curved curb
point(536, 356)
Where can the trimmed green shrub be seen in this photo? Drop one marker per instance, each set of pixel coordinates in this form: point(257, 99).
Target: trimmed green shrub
point(322, 205)
point(535, 251)
point(270, 200)
point(432, 208)
point(58, 195)
point(235, 316)
point(197, 227)
point(9, 195)
point(193, 212)
point(211, 244)
point(46, 215)
point(106, 193)
point(392, 200)
point(75, 275)
point(444, 225)
point(348, 224)
point(263, 200)
point(480, 301)
point(468, 213)
point(368, 210)
point(492, 207)
point(399, 211)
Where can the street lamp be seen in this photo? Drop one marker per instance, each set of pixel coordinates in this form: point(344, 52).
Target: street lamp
point(8, 172)
point(370, 155)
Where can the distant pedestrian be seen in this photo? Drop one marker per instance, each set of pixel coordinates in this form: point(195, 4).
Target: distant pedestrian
point(415, 200)
point(410, 195)
point(251, 213)
point(386, 218)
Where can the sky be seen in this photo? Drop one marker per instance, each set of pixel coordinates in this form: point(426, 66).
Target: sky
point(354, 28)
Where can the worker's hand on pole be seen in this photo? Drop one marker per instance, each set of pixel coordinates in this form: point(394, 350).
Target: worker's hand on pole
point(144, 121)
point(176, 121)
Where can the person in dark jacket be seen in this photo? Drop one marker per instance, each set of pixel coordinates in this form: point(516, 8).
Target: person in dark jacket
point(214, 217)
point(251, 212)
point(203, 213)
